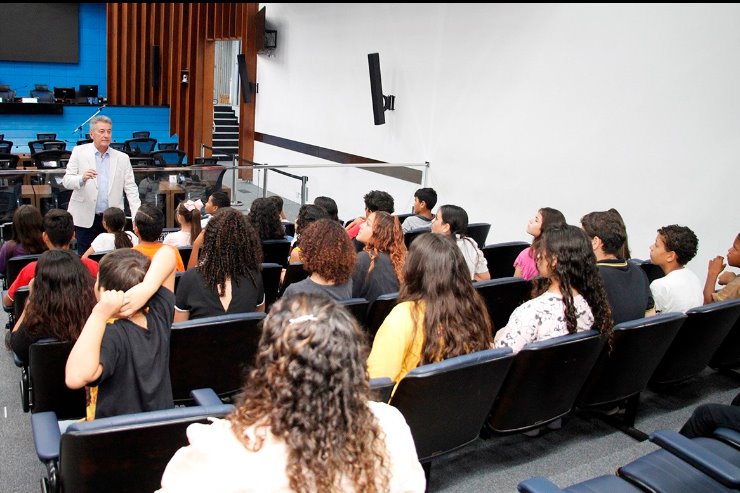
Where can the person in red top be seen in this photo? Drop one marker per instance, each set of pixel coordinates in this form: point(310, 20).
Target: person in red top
point(59, 230)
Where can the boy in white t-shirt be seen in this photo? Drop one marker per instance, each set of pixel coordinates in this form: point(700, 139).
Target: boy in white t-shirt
point(680, 289)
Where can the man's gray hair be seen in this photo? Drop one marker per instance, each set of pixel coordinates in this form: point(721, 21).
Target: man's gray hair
point(99, 118)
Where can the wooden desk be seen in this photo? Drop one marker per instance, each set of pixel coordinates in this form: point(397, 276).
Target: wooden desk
point(36, 193)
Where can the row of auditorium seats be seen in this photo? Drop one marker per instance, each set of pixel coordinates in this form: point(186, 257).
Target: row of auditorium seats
point(447, 404)
point(682, 465)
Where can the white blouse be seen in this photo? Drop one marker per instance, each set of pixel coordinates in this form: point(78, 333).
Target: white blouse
point(177, 239)
point(107, 241)
point(542, 318)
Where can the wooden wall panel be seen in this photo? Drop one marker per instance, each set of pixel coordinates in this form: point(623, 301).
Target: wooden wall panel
point(185, 33)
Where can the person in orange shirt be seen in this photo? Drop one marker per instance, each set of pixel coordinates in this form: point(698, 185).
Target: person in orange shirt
point(148, 225)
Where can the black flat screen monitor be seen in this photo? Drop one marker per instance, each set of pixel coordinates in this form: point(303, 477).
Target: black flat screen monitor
point(89, 91)
point(67, 93)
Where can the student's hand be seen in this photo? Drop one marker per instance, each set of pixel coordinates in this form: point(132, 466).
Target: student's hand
point(110, 303)
point(136, 297)
point(726, 278)
point(716, 266)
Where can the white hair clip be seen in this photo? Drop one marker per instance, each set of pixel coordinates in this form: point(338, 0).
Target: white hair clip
point(303, 318)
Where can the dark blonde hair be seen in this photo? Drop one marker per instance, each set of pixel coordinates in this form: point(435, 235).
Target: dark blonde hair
point(309, 388)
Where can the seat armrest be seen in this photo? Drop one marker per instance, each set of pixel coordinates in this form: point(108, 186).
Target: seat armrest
point(684, 448)
point(46, 435)
point(205, 397)
point(538, 484)
point(727, 435)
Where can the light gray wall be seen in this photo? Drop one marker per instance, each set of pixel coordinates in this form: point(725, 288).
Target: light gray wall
point(516, 107)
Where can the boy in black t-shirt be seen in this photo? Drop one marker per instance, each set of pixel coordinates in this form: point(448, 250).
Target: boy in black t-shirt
point(127, 358)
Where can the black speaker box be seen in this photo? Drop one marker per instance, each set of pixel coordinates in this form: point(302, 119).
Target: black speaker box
point(243, 79)
point(376, 88)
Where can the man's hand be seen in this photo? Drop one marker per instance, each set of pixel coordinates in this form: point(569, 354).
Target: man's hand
point(89, 173)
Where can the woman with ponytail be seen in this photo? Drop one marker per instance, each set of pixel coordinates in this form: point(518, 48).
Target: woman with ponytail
point(114, 222)
point(188, 217)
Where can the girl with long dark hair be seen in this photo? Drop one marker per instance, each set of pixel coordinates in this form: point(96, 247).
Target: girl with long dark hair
point(305, 422)
point(379, 266)
point(264, 216)
point(114, 223)
point(525, 265)
point(452, 220)
point(60, 300)
point(28, 226)
point(439, 313)
point(227, 278)
point(568, 297)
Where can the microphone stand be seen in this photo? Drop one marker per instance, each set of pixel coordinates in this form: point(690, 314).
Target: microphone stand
point(79, 129)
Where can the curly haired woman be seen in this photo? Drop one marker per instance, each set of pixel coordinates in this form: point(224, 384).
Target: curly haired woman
point(379, 267)
point(570, 295)
point(305, 422)
point(227, 279)
point(329, 258)
point(439, 313)
point(264, 216)
point(60, 300)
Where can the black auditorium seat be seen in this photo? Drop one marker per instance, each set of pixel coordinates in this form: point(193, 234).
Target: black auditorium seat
point(502, 297)
point(381, 388)
point(446, 403)
point(357, 307)
point(271, 282)
point(622, 372)
point(705, 328)
point(478, 232)
point(501, 256)
point(544, 381)
point(276, 251)
point(377, 311)
point(293, 273)
point(213, 352)
point(727, 356)
point(117, 454)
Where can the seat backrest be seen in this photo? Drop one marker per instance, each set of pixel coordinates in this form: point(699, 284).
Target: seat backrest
point(501, 256)
point(35, 146)
point(445, 404)
point(544, 381)
point(381, 388)
point(213, 352)
point(48, 392)
point(143, 134)
point(169, 157)
point(403, 217)
point(377, 311)
point(140, 146)
point(98, 256)
point(276, 251)
point(46, 136)
point(699, 338)
point(129, 452)
point(9, 161)
point(410, 236)
point(6, 93)
point(84, 141)
point(6, 146)
point(119, 146)
point(293, 273)
point(728, 354)
point(19, 301)
point(271, 282)
point(166, 146)
point(54, 145)
point(502, 296)
point(652, 271)
point(51, 158)
point(357, 307)
point(16, 264)
point(478, 232)
point(44, 96)
point(185, 252)
point(637, 348)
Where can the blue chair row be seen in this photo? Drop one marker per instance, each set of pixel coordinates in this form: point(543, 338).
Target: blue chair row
point(682, 466)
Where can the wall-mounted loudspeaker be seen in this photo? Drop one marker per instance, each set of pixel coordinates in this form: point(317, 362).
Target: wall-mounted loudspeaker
point(245, 86)
point(380, 102)
point(155, 66)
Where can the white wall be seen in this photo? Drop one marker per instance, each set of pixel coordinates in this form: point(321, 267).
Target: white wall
point(577, 107)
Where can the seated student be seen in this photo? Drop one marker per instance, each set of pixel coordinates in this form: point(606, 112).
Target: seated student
point(188, 217)
point(729, 280)
point(227, 279)
point(28, 226)
point(329, 259)
point(439, 313)
point(525, 265)
point(114, 222)
point(424, 201)
point(680, 289)
point(452, 221)
point(626, 284)
point(59, 230)
point(278, 200)
point(215, 201)
point(624, 252)
point(310, 374)
point(375, 201)
point(148, 225)
point(329, 205)
point(570, 294)
point(128, 358)
point(61, 298)
point(307, 214)
point(264, 217)
point(708, 417)
point(379, 266)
